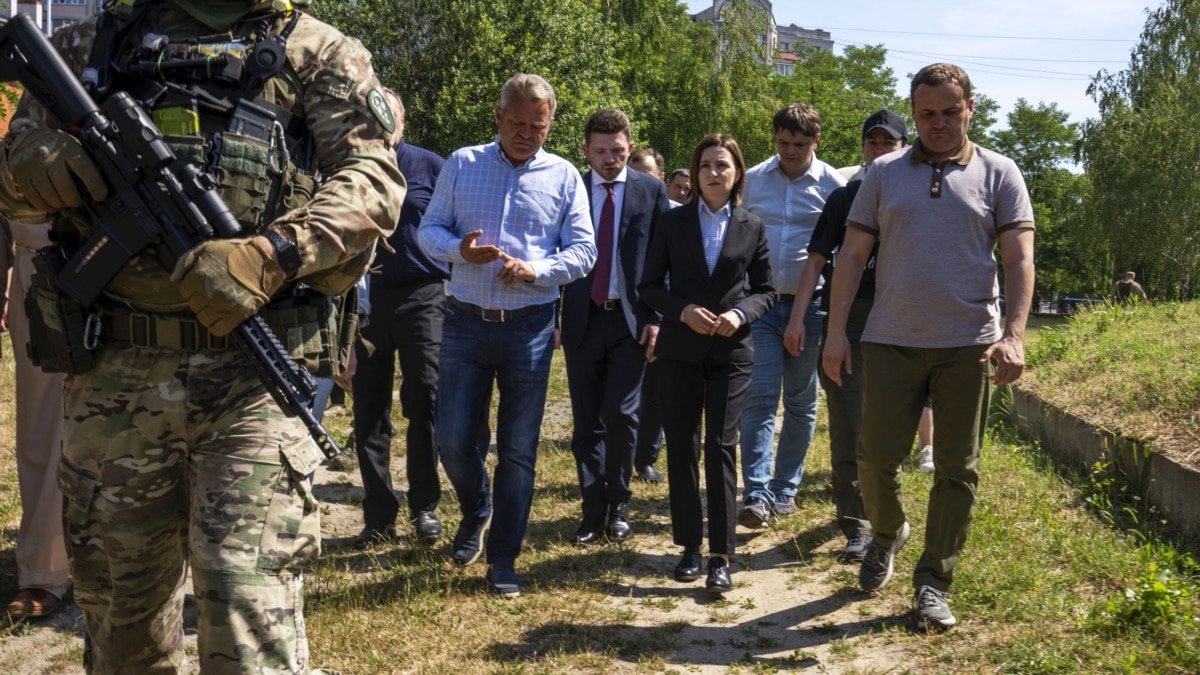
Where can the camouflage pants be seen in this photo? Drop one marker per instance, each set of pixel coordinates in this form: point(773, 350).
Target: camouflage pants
point(174, 459)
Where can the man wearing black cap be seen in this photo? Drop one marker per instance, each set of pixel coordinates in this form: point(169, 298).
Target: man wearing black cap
point(880, 132)
point(883, 132)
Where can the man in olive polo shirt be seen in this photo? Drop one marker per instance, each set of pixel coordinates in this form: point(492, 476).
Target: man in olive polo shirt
point(938, 209)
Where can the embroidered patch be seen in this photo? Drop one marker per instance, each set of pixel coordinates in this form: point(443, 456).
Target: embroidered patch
point(382, 111)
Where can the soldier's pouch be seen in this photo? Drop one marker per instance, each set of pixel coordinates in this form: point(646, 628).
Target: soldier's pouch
point(60, 329)
point(77, 485)
point(314, 328)
point(241, 169)
point(291, 535)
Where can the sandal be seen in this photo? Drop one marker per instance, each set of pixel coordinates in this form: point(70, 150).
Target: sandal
point(32, 603)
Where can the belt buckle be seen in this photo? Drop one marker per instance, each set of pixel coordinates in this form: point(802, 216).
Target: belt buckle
point(143, 321)
point(492, 315)
point(610, 305)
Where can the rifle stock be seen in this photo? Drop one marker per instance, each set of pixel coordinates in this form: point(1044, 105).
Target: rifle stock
point(149, 208)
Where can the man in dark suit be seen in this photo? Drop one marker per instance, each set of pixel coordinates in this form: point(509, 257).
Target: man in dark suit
point(606, 327)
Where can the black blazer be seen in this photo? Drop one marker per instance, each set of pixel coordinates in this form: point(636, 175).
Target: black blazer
point(741, 279)
point(644, 201)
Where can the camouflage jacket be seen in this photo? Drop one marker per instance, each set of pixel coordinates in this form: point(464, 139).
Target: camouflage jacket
point(328, 82)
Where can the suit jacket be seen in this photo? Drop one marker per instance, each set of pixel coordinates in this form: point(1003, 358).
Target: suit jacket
point(645, 199)
point(741, 279)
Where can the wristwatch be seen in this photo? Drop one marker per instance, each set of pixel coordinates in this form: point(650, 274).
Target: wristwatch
point(289, 255)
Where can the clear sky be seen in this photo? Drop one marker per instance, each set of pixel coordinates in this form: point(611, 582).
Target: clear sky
point(1042, 50)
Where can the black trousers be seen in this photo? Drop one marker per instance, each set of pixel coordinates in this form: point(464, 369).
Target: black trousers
point(405, 321)
point(649, 431)
point(715, 391)
point(604, 375)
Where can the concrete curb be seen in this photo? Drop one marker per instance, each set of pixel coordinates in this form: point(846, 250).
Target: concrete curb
point(1170, 486)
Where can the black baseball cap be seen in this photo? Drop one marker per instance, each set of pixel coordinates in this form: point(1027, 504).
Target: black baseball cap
point(891, 122)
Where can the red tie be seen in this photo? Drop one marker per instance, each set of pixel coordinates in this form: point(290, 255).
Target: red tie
point(604, 246)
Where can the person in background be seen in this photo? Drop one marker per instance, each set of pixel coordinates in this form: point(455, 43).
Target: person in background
point(787, 192)
point(648, 160)
point(715, 253)
point(407, 303)
point(1128, 290)
point(679, 186)
point(42, 573)
point(883, 132)
point(513, 222)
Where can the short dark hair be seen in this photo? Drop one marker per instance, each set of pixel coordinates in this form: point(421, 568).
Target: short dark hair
point(679, 172)
point(939, 73)
point(607, 121)
point(798, 118)
point(739, 162)
point(652, 154)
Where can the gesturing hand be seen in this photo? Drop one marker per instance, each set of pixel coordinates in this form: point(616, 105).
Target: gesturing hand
point(514, 270)
point(477, 255)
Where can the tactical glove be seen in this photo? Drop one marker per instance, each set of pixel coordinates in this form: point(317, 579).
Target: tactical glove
point(45, 165)
point(226, 281)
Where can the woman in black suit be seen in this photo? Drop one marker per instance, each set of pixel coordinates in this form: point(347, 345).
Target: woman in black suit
point(712, 250)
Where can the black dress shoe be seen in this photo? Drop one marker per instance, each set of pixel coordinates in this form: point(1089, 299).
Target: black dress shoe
point(373, 536)
point(589, 532)
point(649, 474)
point(718, 576)
point(618, 523)
point(688, 568)
point(429, 528)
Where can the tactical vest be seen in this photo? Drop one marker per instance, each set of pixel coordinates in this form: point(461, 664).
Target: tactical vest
point(212, 98)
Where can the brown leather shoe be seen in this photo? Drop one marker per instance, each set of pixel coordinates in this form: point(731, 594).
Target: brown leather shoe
point(32, 603)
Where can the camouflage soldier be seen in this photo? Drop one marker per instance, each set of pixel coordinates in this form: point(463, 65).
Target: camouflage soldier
point(174, 452)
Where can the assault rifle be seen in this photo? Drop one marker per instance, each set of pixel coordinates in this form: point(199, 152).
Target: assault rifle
point(150, 210)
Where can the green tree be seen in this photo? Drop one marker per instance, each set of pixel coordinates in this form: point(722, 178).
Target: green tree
point(1141, 154)
point(742, 95)
point(1040, 140)
point(449, 58)
point(667, 73)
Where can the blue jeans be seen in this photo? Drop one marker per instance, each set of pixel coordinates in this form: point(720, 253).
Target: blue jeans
point(775, 369)
point(321, 397)
point(516, 356)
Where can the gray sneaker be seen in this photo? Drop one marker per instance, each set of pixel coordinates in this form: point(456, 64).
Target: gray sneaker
point(876, 570)
point(932, 611)
point(755, 514)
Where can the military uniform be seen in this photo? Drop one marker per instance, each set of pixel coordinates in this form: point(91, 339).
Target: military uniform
point(175, 454)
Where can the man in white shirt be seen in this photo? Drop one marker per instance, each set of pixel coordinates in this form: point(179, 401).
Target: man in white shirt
point(788, 192)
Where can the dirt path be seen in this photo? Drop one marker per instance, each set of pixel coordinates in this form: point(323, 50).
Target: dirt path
point(792, 607)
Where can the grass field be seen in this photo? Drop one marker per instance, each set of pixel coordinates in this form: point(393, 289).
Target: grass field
point(1056, 578)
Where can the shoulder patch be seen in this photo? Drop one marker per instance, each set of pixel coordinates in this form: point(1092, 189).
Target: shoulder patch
point(383, 113)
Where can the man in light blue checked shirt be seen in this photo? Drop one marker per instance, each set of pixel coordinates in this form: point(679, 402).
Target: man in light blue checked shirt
point(514, 223)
